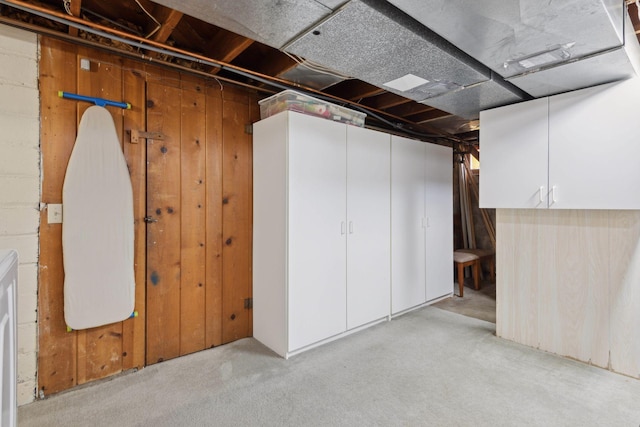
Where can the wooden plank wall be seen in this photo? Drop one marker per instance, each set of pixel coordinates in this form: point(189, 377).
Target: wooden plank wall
point(568, 283)
point(199, 179)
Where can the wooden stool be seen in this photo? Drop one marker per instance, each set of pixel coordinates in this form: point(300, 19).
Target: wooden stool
point(485, 255)
point(462, 260)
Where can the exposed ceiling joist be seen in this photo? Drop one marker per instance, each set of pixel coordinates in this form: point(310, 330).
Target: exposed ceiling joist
point(75, 7)
point(169, 19)
point(386, 100)
point(427, 116)
point(277, 66)
point(354, 90)
point(226, 46)
point(410, 108)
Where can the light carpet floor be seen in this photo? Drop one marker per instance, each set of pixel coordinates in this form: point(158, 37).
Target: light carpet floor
point(427, 368)
point(480, 304)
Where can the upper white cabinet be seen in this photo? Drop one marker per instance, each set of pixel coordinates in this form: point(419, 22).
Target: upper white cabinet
point(514, 154)
point(321, 243)
point(593, 147)
point(570, 151)
point(421, 223)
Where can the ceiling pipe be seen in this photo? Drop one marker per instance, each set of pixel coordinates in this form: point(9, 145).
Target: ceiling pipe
point(151, 45)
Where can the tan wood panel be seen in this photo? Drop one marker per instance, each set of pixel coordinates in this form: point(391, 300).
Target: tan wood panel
point(573, 291)
point(527, 298)
point(624, 296)
point(193, 239)
point(504, 261)
point(518, 273)
point(236, 217)
point(163, 236)
point(133, 330)
point(553, 281)
point(57, 348)
point(214, 216)
point(100, 349)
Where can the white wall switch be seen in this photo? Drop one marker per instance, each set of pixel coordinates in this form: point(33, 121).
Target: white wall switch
point(85, 64)
point(54, 214)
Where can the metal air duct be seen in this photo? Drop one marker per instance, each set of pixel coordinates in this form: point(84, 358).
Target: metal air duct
point(544, 47)
point(271, 22)
point(377, 43)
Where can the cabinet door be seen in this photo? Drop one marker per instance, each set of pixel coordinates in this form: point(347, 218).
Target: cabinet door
point(369, 226)
point(439, 209)
point(407, 231)
point(514, 156)
point(317, 229)
point(593, 147)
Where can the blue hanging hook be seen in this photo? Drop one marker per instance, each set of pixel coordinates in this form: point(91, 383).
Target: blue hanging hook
point(98, 101)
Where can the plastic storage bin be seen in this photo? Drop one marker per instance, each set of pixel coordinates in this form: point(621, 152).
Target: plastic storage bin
point(290, 100)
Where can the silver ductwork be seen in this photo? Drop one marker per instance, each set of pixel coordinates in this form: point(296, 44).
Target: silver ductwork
point(543, 47)
point(271, 22)
point(377, 43)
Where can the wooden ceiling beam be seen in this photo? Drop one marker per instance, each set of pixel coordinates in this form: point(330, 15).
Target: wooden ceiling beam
point(410, 108)
point(76, 9)
point(225, 46)
point(196, 39)
point(354, 90)
point(385, 100)
point(427, 116)
point(169, 19)
point(276, 65)
point(472, 135)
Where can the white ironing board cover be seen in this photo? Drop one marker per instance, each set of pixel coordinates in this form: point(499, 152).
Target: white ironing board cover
point(97, 228)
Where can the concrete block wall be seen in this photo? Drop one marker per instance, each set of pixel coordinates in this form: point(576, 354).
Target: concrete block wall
point(20, 186)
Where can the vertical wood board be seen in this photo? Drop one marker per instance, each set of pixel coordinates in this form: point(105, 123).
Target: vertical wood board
point(624, 296)
point(214, 200)
point(163, 236)
point(193, 235)
point(236, 218)
point(57, 348)
point(133, 330)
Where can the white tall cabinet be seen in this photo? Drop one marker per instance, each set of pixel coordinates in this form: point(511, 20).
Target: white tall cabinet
point(421, 223)
point(369, 225)
point(408, 251)
point(317, 200)
point(321, 252)
point(439, 221)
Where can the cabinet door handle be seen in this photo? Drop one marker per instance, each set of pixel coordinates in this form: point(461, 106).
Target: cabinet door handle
point(343, 227)
point(554, 194)
point(541, 194)
point(350, 227)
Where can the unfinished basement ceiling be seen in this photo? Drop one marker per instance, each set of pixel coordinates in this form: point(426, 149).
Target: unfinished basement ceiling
point(355, 51)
